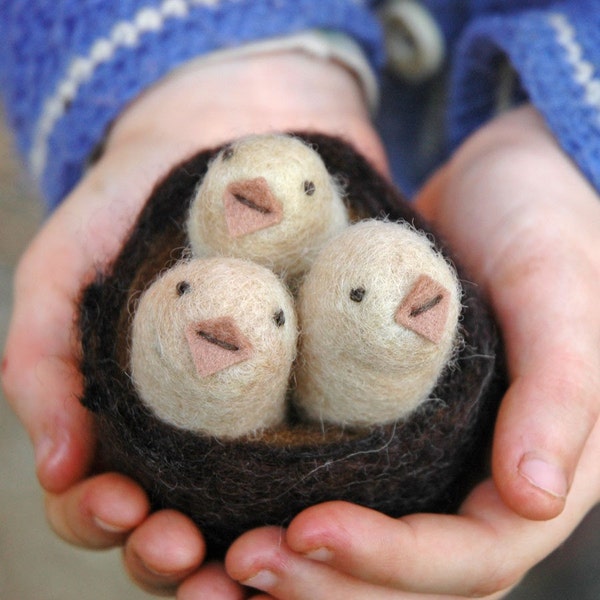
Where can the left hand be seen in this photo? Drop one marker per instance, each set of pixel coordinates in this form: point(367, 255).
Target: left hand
point(526, 223)
point(200, 106)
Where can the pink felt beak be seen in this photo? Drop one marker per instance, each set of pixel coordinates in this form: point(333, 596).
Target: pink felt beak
point(217, 344)
point(425, 308)
point(250, 206)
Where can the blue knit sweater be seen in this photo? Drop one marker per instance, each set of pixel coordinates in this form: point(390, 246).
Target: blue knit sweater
point(68, 67)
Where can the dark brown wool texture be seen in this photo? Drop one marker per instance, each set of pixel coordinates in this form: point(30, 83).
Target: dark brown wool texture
point(425, 463)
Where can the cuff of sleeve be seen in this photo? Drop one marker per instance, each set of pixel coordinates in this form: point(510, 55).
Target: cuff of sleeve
point(552, 53)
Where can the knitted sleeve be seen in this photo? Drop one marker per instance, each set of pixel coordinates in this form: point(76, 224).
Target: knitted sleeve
point(554, 51)
point(67, 67)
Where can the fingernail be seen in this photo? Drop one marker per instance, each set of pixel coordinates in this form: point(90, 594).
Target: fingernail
point(320, 555)
point(109, 527)
point(263, 580)
point(44, 448)
point(50, 449)
point(544, 475)
point(164, 574)
point(158, 572)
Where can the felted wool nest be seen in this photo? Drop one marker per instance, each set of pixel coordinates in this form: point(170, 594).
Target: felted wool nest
point(427, 462)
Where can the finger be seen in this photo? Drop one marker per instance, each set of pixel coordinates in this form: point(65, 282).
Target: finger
point(40, 367)
point(484, 551)
point(262, 560)
point(40, 374)
point(44, 396)
point(553, 404)
point(99, 512)
point(163, 551)
point(210, 581)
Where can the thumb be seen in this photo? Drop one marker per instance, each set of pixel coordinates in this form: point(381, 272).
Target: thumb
point(551, 326)
point(40, 369)
point(525, 223)
point(41, 380)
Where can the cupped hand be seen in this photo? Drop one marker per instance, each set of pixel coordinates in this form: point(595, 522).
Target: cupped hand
point(192, 109)
point(526, 223)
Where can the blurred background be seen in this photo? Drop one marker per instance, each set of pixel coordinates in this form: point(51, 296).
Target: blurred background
point(36, 565)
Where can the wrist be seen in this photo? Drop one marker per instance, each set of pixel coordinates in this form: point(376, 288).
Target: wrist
point(493, 192)
point(207, 103)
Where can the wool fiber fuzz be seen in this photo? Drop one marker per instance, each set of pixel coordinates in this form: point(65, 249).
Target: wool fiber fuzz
point(364, 359)
point(266, 198)
point(213, 341)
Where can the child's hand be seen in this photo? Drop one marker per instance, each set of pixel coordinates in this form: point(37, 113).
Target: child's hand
point(527, 224)
point(191, 110)
point(41, 377)
point(337, 550)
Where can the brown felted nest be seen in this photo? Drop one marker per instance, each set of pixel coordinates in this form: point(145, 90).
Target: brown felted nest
point(425, 463)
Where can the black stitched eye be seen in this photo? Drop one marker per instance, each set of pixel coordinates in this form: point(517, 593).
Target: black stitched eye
point(309, 188)
point(183, 287)
point(227, 153)
point(279, 318)
point(357, 294)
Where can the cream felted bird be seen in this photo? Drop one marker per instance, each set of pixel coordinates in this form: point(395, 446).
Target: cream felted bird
point(212, 345)
point(378, 315)
point(266, 198)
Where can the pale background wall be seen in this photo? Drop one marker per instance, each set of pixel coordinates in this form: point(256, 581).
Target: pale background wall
point(36, 565)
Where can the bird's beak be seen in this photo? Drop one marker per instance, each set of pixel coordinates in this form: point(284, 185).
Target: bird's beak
point(217, 344)
point(250, 206)
point(425, 308)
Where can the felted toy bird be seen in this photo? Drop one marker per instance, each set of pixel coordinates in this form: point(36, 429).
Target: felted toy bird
point(212, 345)
point(266, 198)
point(379, 319)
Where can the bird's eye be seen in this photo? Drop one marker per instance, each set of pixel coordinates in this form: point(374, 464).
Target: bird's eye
point(183, 287)
point(227, 153)
point(279, 318)
point(357, 294)
point(309, 188)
